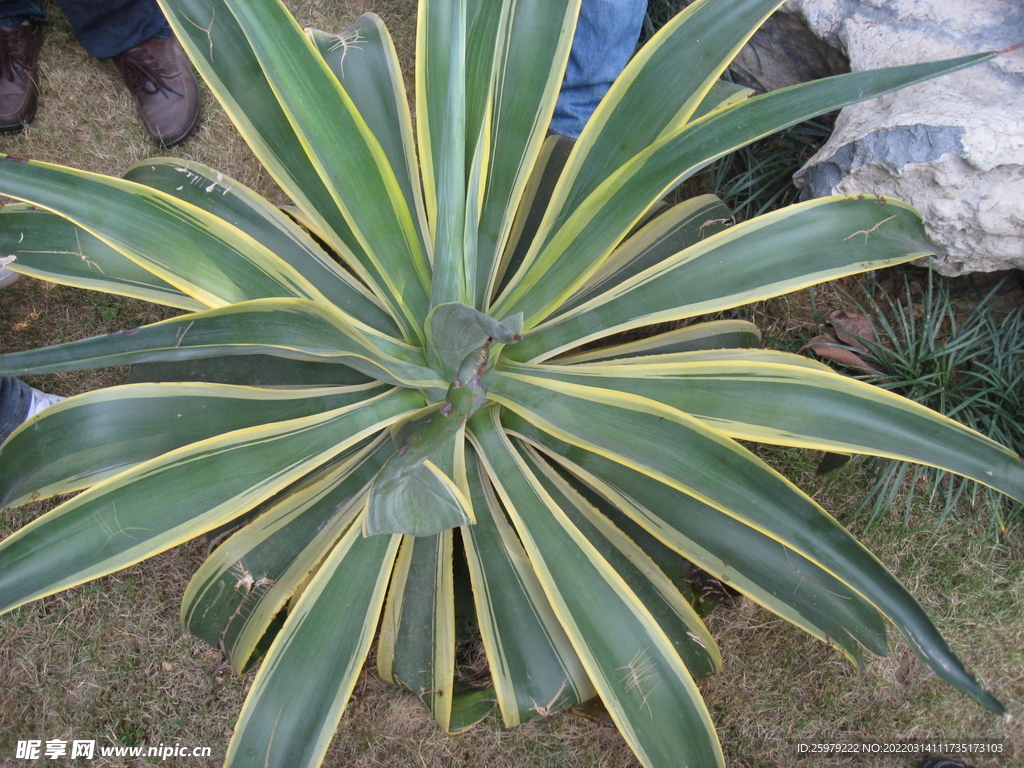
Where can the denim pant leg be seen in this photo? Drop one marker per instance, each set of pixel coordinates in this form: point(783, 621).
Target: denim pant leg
point(15, 398)
point(16, 11)
point(105, 28)
point(110, 27)
point(606, 36)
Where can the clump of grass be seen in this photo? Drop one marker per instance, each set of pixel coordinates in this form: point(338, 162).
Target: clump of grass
point(658, 14)
point(963, 360)
point(759, 177)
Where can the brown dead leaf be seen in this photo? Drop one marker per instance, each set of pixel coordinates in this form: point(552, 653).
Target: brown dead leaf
point(829, 346)
point(594, 709)
point(851, 328)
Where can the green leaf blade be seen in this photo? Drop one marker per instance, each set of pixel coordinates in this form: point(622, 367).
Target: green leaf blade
point(663, 347)
point(178, 496)
point(532, 663)
point(316, 105)
point(300, 692)
point(522, 98)
point(234, 598)
point(599, 223)
point(774, 576)
point(774, 398)
point(95, 435)
point(218, 46)
point(290, 328)
point(233, 202)
point(645, 435)
point(699, 41)
point(49, 247)
point(364, 60)
point(417, 646)
point(633, 665)
point(767, 256)
point(196, 252)
point(664, 602)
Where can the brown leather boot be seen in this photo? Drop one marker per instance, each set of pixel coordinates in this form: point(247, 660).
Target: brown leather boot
point(19, 83)
point(159, 77)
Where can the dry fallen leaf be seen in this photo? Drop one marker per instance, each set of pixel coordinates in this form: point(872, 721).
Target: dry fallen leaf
point(851, 328)
point(829, 346)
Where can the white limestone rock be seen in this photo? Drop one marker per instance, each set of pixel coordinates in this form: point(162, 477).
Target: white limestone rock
point(952, 147)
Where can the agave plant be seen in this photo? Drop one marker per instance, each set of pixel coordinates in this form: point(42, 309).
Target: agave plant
point(419, 394)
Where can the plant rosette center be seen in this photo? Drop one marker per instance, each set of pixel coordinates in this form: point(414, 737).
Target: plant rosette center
point(413, 494)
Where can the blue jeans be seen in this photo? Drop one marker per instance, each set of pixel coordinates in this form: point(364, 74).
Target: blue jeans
point(606, 36)
point(15, 398)
point(105, 28)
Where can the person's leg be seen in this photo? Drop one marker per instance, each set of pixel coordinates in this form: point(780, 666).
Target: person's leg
point(21, 36)
point(20, 402)
point(15, 399)
point(135, 34)
point(16, 11)
point(7, 276)
point(107, 29)
point(606, 36)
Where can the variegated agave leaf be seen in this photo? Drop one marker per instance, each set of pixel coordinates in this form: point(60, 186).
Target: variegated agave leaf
point(421, 400)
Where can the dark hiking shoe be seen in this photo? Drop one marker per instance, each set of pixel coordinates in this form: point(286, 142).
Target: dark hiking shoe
point(159, 77)
point(19, 84)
